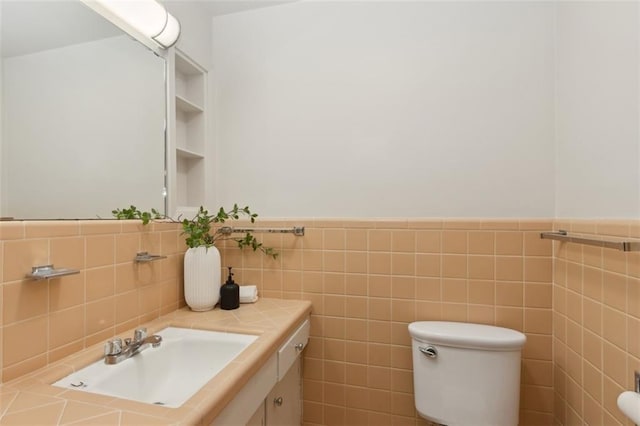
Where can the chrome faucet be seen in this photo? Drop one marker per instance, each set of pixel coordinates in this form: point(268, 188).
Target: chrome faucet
point(115, 352)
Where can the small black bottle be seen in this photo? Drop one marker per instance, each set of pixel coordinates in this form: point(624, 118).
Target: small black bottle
point(230, 293)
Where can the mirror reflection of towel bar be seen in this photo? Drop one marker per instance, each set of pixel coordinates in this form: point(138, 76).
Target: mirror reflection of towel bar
point(564, 236)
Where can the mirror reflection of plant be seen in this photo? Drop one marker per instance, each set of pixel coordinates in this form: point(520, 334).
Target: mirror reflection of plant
point(198, 229)
point(134, 213)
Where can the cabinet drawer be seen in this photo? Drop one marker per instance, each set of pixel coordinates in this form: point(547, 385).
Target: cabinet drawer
point(290, 350)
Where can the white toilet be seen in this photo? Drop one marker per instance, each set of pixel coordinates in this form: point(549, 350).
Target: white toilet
point(466, 374)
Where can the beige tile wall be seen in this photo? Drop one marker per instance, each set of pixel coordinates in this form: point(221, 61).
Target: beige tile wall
point(369, 279)
point(43, 321)
point(596, 338)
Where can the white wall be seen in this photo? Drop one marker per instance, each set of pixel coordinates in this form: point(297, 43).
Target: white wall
point(598, 142)
point(365, 109)
point(68, 163)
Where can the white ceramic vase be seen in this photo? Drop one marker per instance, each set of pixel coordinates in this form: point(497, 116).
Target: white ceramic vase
point(202, 278)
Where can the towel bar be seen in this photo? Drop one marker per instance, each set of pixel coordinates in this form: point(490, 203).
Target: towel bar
point(296, 230)
point(561, 235)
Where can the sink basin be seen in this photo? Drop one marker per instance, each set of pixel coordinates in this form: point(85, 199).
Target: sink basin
point(629, 404)
point(168, 375)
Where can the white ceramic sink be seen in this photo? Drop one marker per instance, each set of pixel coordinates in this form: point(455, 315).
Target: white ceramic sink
point(629, 404)
point(168, 375)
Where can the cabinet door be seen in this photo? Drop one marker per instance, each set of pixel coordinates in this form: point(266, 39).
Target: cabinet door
point(284, 402)
point(258, 418)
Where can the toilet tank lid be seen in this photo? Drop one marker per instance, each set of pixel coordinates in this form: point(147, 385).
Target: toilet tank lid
point(466, 335)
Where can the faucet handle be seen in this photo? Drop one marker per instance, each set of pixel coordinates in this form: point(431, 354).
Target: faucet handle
point(113, 347)
point(139, 334)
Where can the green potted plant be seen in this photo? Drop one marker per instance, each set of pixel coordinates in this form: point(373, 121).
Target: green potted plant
point(202, 266)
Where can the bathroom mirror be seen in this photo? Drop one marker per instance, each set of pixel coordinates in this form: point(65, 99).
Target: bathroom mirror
point(83, 114)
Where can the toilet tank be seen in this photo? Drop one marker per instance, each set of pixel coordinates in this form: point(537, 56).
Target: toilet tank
point(466, 374)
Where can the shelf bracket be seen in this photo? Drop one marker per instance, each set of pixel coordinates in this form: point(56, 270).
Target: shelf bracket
point(144, 257)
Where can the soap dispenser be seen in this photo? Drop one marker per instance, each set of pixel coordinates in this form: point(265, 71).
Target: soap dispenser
point(230, 293)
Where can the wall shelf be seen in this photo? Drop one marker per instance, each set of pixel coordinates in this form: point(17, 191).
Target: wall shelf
point(187, 106)
point(45, 272)
point(188, 154)
point(188, 122)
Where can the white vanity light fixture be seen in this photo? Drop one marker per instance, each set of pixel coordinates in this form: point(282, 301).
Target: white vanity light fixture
point(146, 18)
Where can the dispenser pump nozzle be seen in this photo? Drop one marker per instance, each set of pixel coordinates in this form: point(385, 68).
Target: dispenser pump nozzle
point(230, 277)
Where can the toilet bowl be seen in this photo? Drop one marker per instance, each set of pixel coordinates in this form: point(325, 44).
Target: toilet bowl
point(466, 374)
